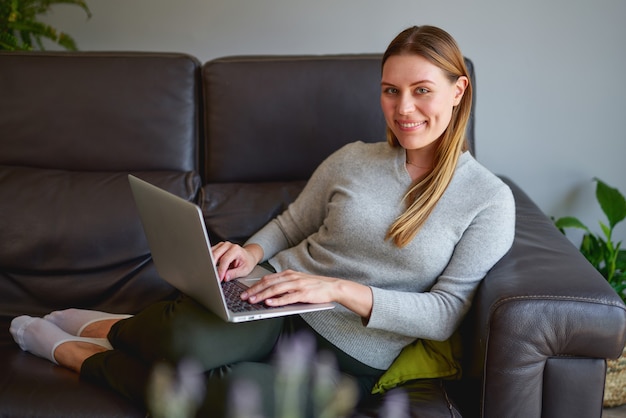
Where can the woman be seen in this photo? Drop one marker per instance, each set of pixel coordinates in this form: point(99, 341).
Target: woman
point(398, 234)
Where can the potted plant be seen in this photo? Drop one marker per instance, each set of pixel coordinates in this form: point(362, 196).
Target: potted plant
point(610, 260)
point(21, 30)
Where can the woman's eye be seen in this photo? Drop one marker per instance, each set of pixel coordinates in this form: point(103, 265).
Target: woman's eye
point(391, 90)
point(421, 90)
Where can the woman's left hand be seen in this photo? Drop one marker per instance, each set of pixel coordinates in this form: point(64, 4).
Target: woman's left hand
point(290, 286)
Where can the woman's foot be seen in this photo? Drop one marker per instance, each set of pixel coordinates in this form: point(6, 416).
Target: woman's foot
point(84, 323)
point(44, 339)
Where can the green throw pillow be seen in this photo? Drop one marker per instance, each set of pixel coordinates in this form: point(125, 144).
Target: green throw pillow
point(423, 359)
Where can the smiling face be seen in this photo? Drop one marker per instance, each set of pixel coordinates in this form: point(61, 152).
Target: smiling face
point(417, 100)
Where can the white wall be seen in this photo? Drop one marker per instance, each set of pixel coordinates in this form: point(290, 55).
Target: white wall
point(550, 74)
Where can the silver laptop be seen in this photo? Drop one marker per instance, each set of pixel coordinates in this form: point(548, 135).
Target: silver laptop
point(182, 255)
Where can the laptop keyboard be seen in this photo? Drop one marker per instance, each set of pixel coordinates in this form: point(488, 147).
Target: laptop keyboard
point(232, 292)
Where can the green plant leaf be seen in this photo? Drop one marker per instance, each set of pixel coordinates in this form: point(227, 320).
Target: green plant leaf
point(612, 202)
point(619, 285)
point(604, 254)
point(66, 41)
point(570, 222)
point(607, 234)
point(32, 32)
point(620, 263)
point(44, 5)
point(594, 249)
point(20, 29)
point(8, 42)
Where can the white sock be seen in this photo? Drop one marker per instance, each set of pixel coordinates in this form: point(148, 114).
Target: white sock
point(41, 337)
point(74, 321)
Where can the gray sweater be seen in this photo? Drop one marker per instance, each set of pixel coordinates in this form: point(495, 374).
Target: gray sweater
point(337, 228)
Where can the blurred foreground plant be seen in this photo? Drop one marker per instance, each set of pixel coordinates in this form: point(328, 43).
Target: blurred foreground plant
point(176, 392)
point(309, 380)
point(306, 384)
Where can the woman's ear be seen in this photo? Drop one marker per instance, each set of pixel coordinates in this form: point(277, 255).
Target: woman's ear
point(460, 86)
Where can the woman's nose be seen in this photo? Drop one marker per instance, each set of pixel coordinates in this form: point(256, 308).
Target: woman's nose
point(406, 105)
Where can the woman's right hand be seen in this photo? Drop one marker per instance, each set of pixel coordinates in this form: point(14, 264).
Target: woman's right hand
point(233, 261)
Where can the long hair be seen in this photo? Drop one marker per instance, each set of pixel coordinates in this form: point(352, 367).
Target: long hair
point(439, 48)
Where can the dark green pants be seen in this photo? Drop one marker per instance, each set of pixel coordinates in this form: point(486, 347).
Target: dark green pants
point(172, 331)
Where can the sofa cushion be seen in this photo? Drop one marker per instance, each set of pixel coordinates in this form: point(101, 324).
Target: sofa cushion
point(235, 211)
point(57, 220)
point(423, 359)
point(34, 387)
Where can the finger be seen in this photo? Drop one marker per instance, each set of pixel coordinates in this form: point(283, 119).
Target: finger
point(226, 256)
point(282, 300)
point(262, 284)
point(225, 263)
point(220, 249)
point(270, 287)
point(236, 271)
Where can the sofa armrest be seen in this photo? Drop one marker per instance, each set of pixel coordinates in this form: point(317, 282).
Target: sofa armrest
point(541, 303)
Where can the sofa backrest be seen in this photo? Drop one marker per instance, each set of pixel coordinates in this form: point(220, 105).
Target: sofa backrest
point(275, 118)
point(99, 111)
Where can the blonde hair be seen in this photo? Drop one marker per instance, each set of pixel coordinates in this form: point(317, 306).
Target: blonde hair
point(439, 48)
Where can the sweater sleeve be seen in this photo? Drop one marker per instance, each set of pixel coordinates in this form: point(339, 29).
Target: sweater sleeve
point(436, 314)
point(302, 217)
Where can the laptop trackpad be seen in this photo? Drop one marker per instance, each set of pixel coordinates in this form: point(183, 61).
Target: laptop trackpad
point(255, 275)
point(248, 281)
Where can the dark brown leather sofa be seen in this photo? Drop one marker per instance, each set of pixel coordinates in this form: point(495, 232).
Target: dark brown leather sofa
point(240, 136)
